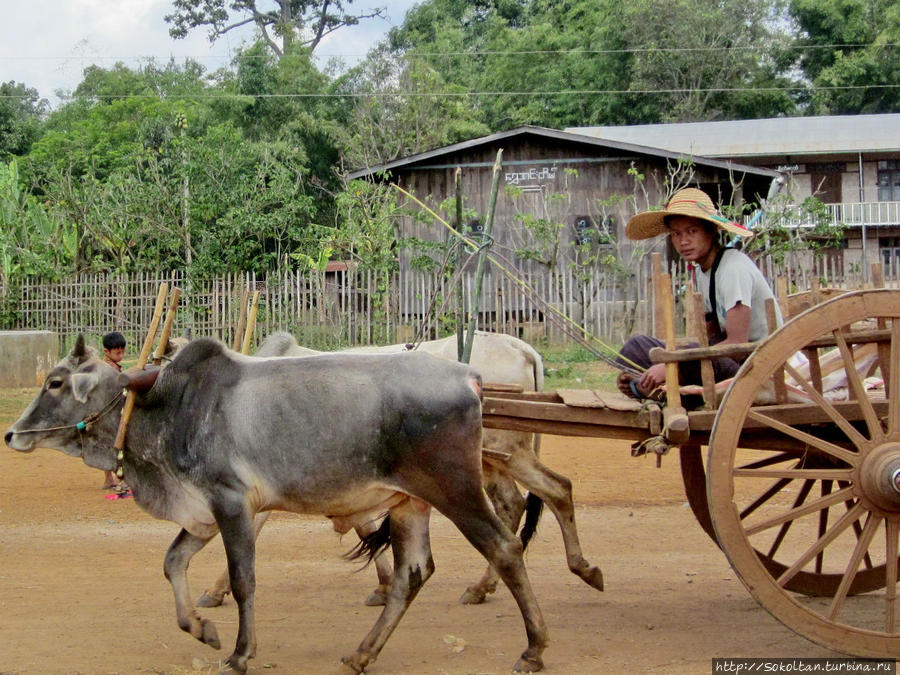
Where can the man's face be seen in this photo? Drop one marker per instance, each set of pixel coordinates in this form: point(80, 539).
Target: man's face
point(690, 237)
point(116, 354)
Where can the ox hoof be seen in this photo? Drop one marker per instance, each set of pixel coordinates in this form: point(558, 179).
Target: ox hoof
point(209, 635)
point(350, 666)
point(210, 600)
point(528, 664)
point(378, 597)
point(473, 596)
point(593, 577)
point(235, 664)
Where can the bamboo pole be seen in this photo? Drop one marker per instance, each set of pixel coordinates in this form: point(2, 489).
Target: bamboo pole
point(458, 290)
point(251, 323)
point(119, 443)
point(167, 326)
point(482, 258)
point(242, 320)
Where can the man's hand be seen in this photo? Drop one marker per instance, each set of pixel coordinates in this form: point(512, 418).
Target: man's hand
point(654, 376)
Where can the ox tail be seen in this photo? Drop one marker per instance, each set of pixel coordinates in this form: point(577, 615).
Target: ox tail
point(370, 545)
point(534, 507)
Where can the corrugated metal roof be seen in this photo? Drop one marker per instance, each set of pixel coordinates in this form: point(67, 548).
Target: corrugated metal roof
point(555, 134)
point(772, 136)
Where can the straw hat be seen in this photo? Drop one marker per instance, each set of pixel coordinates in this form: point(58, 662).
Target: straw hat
point(687, 202)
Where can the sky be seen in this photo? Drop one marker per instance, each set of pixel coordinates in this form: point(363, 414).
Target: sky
point(48, 43)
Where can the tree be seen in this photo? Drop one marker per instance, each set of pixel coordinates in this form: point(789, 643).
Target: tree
point(295, 23)
point(22, 112)
point(576, 62)
point(849, 53)
point(400, 108)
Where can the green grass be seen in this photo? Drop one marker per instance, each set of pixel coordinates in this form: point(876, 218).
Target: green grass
point(576, 368)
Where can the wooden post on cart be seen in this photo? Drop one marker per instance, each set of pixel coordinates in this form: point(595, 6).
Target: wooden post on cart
point(697, 326)
point(119, 443)
point(675, 419)
point(167, 327)
point(242, 321)
point(251, 323)
point(884, 348)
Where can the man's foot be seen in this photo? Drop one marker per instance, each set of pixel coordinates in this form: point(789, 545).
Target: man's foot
point(628, 385)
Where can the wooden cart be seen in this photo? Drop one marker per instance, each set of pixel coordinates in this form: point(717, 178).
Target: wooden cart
point(803, 494)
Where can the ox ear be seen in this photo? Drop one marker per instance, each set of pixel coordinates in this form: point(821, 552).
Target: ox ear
point(83, 384)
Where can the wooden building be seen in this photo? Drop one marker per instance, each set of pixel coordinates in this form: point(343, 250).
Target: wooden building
point(849, 162)
point(558, 190)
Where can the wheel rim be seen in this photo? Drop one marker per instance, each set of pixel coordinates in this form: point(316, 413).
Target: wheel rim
point(823, 497)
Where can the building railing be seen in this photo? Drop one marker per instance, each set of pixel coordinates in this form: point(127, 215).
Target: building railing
point(856, 214)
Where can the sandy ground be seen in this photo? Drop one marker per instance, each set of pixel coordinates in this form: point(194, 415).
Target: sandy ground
point(82, 589)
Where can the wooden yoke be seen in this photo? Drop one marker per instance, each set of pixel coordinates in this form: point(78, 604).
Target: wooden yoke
point(128, 408)
point(675, 419)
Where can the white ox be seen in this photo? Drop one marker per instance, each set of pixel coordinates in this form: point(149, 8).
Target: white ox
point(511, 457)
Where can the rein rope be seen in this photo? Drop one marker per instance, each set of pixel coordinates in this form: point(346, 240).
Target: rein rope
point(84, 424)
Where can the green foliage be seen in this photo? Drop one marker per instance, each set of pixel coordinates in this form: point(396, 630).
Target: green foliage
point(850, 44)
point(22, 112)
point(31, 243)
point(795, 227)
point(605, 62)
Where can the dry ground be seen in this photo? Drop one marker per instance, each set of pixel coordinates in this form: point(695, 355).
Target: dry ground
point(82, 589)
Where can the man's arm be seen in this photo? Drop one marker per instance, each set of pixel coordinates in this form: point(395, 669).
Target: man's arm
point(737, 324)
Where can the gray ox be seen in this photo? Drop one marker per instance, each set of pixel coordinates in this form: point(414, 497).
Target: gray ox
point(510, 457)
point(221, 437)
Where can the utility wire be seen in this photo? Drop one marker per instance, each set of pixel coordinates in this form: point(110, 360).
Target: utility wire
point(511, 52)
point(458, 94)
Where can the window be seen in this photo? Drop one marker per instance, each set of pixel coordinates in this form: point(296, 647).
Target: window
point(586, 231)
point(583, 230)
point(889, 180)
point(890, 253)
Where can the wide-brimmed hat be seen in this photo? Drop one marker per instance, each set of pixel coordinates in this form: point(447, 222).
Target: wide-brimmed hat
point(687, 202)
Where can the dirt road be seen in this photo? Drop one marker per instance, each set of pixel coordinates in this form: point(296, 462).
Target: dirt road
point(82, 589)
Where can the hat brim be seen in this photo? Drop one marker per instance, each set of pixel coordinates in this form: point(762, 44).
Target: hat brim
point(652, 224)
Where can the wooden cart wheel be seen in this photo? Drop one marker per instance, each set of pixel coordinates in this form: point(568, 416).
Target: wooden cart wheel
point(814, 487)
point(817, 583)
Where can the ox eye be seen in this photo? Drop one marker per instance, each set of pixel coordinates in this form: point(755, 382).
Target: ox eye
point(54, 384)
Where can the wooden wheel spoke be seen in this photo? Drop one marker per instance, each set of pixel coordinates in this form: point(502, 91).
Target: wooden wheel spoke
point(830, 535)
point(859, 389)
point(849, 430)
point(779, 458)
point(894, 369)
point(777, 487)
point(800, 511)
point(857, 530)
point(783, 530)
point(810, 474)
point(892, 527)
point(862, 545)
point(823, 525)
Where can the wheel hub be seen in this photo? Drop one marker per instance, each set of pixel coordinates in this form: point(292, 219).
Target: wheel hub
point(879, 477)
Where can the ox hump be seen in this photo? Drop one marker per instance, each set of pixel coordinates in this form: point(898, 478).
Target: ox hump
point(198, 353)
